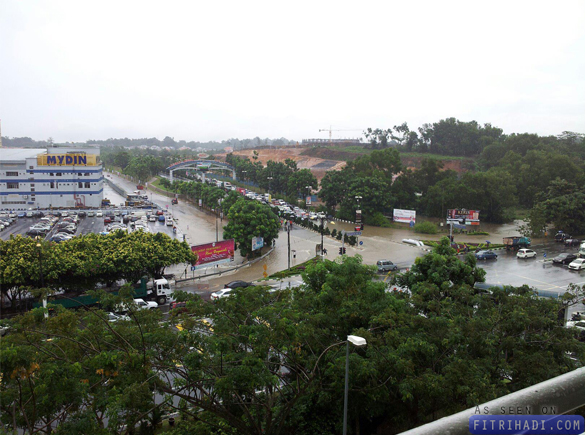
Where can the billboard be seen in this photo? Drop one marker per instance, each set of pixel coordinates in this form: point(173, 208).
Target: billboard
point(257, 243)
point(68, 159)
point(462, 215)
point(308, 201)
point(358, 216)
point(211, 254)
point(404, 216)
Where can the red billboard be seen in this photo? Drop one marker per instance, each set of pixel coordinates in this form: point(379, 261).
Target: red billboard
point(214, 253)
point(464, 216)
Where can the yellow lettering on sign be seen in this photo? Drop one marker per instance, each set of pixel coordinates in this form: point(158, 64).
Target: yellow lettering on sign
point(69, 159)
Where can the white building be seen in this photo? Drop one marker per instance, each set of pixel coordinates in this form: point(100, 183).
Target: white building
point(50, 178)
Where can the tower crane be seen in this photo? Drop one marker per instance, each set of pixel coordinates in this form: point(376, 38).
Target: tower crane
point(330, 130)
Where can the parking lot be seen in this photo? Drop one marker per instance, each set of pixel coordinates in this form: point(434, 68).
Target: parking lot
point(85, 225)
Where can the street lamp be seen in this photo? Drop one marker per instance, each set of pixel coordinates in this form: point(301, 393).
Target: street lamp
point(269, 178)
point(358, 198)
point(216, 225)
point(322, 231)
point(359, 342)
point(40, 248)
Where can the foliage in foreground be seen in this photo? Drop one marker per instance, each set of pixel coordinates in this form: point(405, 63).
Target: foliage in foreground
point(265, 362)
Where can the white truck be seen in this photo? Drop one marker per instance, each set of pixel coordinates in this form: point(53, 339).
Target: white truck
point(159, 291)
point(582, 250)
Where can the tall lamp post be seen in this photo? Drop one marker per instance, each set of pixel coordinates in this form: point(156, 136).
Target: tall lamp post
point(359, 342)
point(358, 198)
point(40, 248)
point(323, 218)
point(216, 223)
point(269, 178)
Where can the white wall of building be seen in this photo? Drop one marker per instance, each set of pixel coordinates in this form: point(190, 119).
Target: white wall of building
point(41, 178)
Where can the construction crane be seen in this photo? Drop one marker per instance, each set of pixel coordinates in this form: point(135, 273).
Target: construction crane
point(330, 130)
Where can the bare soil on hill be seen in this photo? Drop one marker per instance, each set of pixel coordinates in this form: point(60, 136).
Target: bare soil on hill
point(321, 160)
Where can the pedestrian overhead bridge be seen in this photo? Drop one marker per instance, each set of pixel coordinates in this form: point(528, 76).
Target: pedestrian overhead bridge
point(201, 165)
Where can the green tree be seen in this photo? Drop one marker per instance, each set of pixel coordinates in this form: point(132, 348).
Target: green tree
point(249, 219)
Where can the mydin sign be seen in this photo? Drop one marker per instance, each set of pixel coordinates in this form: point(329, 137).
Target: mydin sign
point(66, 159)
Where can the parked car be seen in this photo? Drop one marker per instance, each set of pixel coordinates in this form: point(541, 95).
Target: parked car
point(170, 222)
point(221, 294)
point(578, 264)
point(572, 242)
point(161, 218)
point(90, 213)
point(107, 220)
point(82, 214)
point(564, 258)
point(21, 214)
point(99, 213)
point(485, 255)
point(152, 218)
point(526, 253)
point(386, 266)
point(238, 284)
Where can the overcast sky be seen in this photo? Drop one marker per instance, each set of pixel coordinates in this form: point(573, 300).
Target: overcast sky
point(213, 70)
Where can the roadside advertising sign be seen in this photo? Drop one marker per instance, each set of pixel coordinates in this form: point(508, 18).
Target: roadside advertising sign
point(308, 200)
point(257, 243)
point(358, 216)
point(404, 216)
point(470, 217)
point(211, 254)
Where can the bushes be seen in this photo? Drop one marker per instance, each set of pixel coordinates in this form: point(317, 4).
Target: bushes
point(378, 220)
point(425, 227)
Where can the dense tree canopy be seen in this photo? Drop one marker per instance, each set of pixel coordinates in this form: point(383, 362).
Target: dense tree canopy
point(263, 362)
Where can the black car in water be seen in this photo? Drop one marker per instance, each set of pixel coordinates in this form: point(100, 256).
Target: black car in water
point(564, 258)
point(237, 284)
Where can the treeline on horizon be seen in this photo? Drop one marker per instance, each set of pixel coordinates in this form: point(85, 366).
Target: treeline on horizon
point(27, 142)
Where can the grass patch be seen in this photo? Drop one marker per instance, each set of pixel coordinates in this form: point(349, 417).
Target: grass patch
point(156, 183)
point(470, 245)
point(478, 233)
point(295, 270)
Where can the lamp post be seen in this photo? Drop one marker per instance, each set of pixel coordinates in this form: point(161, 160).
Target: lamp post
point(216, 224)
point(322, 231)
point(358, 198)
point(40, 248)
point(359, 342)
point(269, 178)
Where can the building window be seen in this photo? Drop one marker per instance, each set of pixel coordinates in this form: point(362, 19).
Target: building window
point(80, 185)
point(87, 185)
point(87, 174)
point(80, 174)
point(58, 174)
point(11, 174)
point(12, 185)
point(31, 167)
point(52, 184)
point(32, 184)
point(32, 189)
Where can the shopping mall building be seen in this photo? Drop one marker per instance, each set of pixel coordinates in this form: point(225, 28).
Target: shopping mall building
point(32, 178)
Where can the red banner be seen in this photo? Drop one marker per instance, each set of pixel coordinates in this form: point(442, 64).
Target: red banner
point(214, 253)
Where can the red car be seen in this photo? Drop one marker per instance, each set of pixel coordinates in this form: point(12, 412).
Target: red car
point(160, 213)
point(107, 220)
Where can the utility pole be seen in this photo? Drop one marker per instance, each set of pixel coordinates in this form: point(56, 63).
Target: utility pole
point(288, 231)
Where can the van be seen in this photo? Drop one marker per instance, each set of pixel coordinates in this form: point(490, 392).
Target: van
point(386, 266)
point(227, 185)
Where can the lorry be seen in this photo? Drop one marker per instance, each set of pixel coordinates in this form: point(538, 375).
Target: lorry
point(516, 242)
point(158, 290)
point(582, 250)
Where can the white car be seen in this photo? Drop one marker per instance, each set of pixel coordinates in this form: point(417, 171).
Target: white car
point(526, 253)
point(224, 293)
point(578, 264)
point(99, 213)
point(12, 215)
point(90, 213)
point(145, 305)
point(152, 218)
point(170, 222)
